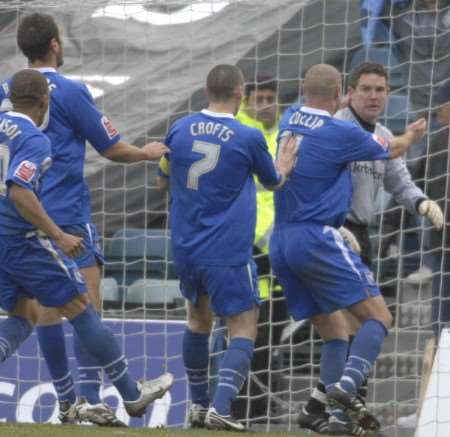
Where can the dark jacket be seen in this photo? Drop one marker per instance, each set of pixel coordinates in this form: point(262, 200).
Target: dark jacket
point(437, 178)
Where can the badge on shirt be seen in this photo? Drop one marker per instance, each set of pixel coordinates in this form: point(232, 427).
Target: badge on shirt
point(381, 141)
point(25, 171)
point(109, 128)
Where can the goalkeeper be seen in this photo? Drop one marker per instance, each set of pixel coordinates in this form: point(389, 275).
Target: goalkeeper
point(367, 93)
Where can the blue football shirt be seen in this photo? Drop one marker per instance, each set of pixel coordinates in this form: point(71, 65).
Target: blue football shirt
point(25, 155)
point(73, 119)
point(319, 189)
point(213, 197)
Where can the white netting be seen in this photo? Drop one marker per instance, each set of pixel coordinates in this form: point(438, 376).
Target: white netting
point(145, 62)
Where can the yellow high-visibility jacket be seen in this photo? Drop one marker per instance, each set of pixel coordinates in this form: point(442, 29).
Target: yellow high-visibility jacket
point(264, 198)
point(265, 211)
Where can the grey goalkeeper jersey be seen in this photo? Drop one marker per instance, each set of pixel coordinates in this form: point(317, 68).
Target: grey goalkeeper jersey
point(369, 177)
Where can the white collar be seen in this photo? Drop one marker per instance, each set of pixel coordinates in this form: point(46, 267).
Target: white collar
point(314, 111)
point(217, 114)
point(44, 69)
point(20, 115)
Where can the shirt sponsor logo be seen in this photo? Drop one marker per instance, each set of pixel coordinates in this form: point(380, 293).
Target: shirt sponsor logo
point(25, 171)
point(381, 141)
point(109, 128)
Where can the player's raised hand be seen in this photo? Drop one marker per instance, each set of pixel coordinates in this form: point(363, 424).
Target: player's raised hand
point(417, 129)
point(71, 245)
point(154, 150)
point(287, 154)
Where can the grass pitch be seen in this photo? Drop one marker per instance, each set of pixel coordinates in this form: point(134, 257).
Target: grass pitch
point(37, 430)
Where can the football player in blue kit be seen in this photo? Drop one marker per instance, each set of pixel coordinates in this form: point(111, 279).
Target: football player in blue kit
point(73, 119)
point(36, 254)
point(212, 217)
point(319, 272)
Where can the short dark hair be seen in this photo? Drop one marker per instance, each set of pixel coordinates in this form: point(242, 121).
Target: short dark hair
point(34, 35)
point(27, 87)
point(221, 82)
point(366, 68)
point(261, 83)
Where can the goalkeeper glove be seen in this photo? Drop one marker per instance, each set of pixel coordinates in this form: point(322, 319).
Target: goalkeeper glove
point(431, 210)
point(350, 239)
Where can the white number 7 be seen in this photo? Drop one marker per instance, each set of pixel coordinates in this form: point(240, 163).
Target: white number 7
point(204, 165)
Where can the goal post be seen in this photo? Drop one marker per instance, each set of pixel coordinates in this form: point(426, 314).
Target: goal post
point(434, 420)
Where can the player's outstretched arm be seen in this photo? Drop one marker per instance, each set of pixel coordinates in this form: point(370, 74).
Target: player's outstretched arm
point(414, 132)
point(125, 152)
point(32, 211)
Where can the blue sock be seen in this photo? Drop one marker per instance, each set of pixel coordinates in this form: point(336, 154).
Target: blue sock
point(363, 353)
point(196, 359)
point(102, 345)
point(89, 372)
point(13, 332)
point(332, 361)
point(232, 374)
point(53, 348)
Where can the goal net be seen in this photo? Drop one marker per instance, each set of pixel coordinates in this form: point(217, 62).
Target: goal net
point(145, 63)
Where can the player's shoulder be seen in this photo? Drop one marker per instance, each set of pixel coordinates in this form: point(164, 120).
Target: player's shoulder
point(22, 129)
point(344, 130)
point(4, 89)
point(288, 113)
point(65, 85)
point(183, 121)
point(344, 124)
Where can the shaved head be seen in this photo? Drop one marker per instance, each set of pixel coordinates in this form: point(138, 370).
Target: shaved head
point(322, 81)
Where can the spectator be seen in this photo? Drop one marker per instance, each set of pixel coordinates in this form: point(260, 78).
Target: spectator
point(422, 34)
point(437, 186)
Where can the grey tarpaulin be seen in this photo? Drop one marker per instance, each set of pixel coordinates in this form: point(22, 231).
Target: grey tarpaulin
point(160, 70)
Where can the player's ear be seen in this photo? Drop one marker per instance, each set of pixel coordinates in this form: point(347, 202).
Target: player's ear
point(54, 45)
point(350, 92)
point(239, 92)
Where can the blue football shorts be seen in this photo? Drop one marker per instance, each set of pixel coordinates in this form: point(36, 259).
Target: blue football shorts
point(318, 271)
point(35, 267)
point(92, 254)
point(232, 289)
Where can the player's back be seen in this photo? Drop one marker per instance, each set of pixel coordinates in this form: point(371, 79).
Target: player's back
point(72, 120)
point(24, 156)
point(319, 188)
point(213, 199)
